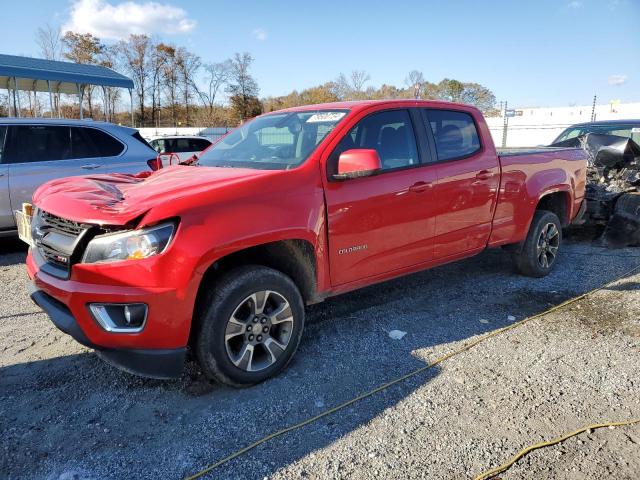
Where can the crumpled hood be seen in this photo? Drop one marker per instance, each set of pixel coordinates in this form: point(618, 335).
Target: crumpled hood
point(116, 199)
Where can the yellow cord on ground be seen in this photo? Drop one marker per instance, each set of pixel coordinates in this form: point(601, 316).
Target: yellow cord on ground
point(505, 466)
point(384, 386)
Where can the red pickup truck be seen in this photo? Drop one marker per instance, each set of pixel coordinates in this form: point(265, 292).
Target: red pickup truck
point(290, 208)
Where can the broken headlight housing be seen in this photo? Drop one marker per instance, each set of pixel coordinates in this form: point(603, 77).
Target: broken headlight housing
point(129, 245)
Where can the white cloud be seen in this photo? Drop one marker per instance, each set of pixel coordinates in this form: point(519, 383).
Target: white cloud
point(575, 4)
point(260, 34)
point(618, 79)
point(105, 20)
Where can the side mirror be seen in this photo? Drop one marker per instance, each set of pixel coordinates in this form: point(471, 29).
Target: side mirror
point(356, 163)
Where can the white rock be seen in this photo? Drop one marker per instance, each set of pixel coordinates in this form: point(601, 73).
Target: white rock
point(397, 334)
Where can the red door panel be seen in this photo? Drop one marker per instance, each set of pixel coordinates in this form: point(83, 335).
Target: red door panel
point(466, 195)
point(381, 223)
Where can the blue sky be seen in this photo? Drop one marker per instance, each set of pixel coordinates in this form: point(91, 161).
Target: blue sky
point(533, 53)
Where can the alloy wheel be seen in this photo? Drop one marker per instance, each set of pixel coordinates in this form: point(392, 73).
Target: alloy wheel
point(548, 244)
point(259, 330)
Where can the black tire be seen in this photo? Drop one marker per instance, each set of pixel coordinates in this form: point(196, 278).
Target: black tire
point(224, 299)
point(529, 260)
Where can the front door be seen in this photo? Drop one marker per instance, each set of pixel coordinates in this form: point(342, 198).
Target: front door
point(384, 222)
point(39, 153)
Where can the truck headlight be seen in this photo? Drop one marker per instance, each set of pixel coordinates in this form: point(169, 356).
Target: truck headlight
point(130, 245)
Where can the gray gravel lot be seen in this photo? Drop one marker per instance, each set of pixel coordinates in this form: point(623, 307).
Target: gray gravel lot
point(65, 414)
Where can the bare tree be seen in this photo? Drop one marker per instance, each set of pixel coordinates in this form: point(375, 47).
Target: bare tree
point(243, 87)
point(351, 88)
point(170, 77)
point(216, 76)
point(49, 41)
point(359, 79)
point(188, 64)
point(137, 52)
point(415, 81)
point(158, 61)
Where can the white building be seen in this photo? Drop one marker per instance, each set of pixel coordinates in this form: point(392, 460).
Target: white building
point(540, 126)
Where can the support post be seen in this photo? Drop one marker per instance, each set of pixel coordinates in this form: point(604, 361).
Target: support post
point(9, 95)
point(80, 98)
point(59, 100)
point(505, 126)
point(131, 99)
point(105, 104)
point(50, 97)
point(16, 95)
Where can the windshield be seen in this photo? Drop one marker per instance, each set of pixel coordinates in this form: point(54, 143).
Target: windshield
point(278, 141)
point(627, 131)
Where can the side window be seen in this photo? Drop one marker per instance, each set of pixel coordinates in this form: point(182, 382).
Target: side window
point(390, 133)
point(82, 144)
point(3, 134)
point(198, 144)
point(454, 132)
point(38, 143)
point(106, 145)
point(182, 145)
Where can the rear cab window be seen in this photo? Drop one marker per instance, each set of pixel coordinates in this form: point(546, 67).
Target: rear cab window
point(454, 132)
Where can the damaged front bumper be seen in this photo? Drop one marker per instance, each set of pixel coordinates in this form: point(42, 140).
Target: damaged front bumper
point(163, 363)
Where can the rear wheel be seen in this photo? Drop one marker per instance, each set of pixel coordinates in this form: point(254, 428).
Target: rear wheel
point(540, 250)
point(250, 326)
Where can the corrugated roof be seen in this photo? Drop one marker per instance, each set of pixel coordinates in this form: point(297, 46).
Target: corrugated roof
point(34, 72)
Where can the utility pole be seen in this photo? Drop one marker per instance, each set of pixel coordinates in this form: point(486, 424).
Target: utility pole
point(593, 109)
point(505, 126)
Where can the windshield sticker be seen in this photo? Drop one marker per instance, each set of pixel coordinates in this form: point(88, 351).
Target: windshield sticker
point(325, 117)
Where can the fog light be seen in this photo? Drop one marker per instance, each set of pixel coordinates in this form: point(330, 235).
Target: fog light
point(124, 318)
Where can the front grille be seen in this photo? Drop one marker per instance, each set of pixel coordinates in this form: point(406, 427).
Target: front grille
point(57, 251)
point(53, 256)
point(62, 225)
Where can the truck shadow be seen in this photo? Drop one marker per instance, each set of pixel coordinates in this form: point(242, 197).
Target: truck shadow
point(12, 251)
point(97, 416)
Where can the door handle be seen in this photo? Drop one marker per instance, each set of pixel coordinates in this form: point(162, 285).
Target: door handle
point(91, 166)
point(484, 175)
point(419, 187)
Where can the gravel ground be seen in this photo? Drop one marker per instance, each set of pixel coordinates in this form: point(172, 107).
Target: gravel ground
point(64, 414)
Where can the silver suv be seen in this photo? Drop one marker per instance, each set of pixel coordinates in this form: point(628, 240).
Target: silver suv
point(33, 151)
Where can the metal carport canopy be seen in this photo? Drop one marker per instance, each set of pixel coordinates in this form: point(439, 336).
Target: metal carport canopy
point(64, 77)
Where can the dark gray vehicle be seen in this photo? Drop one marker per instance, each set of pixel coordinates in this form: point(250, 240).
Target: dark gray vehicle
point(34, 151)
point(619, 128)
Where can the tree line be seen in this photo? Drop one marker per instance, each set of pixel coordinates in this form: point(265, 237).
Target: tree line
point(175, 87)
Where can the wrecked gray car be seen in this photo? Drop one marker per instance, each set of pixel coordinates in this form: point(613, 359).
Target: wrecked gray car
point(613, 186)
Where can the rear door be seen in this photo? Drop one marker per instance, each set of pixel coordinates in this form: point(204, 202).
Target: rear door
point(468, 180)
point(36, 154)
point(384, 222)
point(98, 150)
point(7, 221)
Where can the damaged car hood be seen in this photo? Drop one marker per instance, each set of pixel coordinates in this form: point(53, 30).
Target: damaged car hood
point(117, 199)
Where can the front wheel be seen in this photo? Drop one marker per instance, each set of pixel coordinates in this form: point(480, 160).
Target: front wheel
point(250, 327)
point(540, 250)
